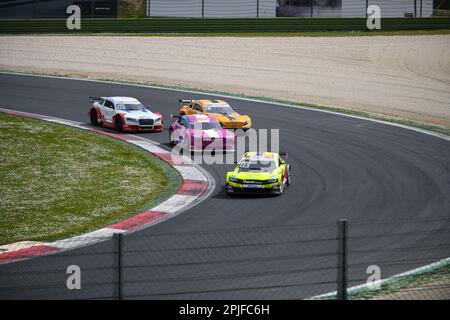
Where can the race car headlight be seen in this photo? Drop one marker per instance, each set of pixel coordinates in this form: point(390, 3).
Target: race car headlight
point(234, 180)
point(245, 123)
point(157, 121)
point(272, 181)
point(131, 120)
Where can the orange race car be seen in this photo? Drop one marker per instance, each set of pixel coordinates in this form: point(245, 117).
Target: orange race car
point(219, 109)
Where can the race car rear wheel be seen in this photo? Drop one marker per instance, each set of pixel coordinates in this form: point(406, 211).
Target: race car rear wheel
point(118, 124)
point(172, 143)
point(94, 118)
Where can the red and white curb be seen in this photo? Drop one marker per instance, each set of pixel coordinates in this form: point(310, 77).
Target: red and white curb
point(197, 185)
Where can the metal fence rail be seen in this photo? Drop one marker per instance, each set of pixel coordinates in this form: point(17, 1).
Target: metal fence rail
point(289, 262)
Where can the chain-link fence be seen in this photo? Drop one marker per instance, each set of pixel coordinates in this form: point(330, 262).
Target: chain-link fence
point(371, 260)
point(43, 9)
point(417, 251)
point(286, 8)
point(57, 9)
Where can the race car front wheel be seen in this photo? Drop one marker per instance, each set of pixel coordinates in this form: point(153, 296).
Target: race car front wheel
point(118, 124)
point(282, 186)
point(94, 118)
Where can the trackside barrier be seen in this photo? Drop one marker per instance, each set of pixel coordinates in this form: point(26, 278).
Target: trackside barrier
point(284, 262)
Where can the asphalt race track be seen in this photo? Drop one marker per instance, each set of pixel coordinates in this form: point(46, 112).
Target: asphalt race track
point(258, 247)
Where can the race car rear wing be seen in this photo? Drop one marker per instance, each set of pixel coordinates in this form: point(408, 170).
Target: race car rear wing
point(183, 102)
point(94, 99)
point(174, 116)
point(284, 154)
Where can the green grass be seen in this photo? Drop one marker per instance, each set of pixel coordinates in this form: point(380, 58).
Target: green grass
point(414, 286)
point(58, 181)
point(209, 26)
point(282, 34)
point(309, 33)
point(407, 285)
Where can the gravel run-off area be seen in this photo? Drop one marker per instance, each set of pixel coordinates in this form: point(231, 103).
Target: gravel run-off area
point(404, 76)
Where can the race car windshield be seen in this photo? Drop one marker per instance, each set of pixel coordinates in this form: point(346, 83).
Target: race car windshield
point(219, 109)
point(205, 125)
point(257, 165)
point(130, 107)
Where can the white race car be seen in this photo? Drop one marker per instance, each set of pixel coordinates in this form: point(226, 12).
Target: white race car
point(124, 114)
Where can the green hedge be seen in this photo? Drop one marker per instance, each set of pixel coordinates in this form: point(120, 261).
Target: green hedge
point(166, 25)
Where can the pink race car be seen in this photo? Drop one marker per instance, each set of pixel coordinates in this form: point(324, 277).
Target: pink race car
point(201, 132)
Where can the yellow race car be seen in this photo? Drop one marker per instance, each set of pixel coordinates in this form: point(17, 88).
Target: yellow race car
point(259, 173)
point(219, 109)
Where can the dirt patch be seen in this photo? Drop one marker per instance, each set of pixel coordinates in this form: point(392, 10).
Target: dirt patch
point(404, 76)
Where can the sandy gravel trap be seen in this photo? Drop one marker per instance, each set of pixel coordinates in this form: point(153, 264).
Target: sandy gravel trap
point(405, 76)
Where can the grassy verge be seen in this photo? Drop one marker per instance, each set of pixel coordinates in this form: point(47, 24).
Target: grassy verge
point(216, 25)
point(59, 181)
point(426, 284)
point(304, 33)
point(411, 287)
point(376, 33)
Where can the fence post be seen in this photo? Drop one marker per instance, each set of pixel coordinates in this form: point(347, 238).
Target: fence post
point(118, 242)
point(203, 9)
point(257, 9)
point(367, 7)
point(311, 4)
point(415, 8)
point(342, 259)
